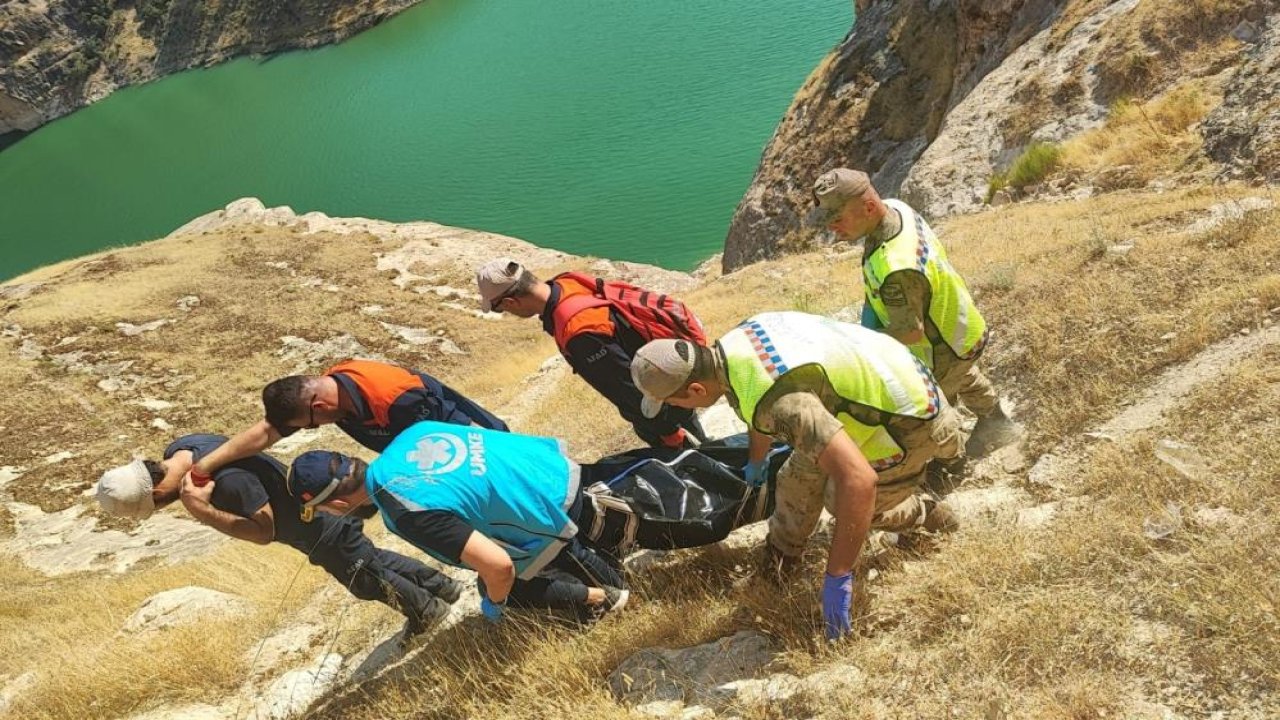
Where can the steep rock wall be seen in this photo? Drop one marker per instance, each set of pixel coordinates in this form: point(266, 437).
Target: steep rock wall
point(59, 55)
point(876, 102)
point(1244, 132)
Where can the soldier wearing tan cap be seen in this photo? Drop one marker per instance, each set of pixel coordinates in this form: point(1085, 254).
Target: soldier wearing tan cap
point(864, 417)
point(914, 294)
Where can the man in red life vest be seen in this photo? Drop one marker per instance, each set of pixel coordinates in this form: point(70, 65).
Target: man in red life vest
point(598, 326)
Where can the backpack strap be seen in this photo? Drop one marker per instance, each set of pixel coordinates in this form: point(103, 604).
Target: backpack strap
point(566, 308)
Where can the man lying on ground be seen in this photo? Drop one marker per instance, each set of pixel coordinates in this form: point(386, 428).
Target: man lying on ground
point(370, 401)
point(540, 530)
point(247, 500)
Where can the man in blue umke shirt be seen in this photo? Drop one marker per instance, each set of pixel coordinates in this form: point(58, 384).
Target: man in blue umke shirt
point(508, 506)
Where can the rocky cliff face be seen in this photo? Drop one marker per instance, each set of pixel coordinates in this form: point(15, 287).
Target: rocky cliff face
point(877, 102)
point(59, 55)
point(934, 98)
point(1244, 132)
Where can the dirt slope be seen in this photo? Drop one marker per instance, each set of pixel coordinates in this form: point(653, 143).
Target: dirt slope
point(1117, 563)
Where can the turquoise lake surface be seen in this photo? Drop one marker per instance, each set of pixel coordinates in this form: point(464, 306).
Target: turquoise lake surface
point(627, 130)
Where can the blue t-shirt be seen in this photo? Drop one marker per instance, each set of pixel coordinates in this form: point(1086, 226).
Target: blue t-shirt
point(244, 486)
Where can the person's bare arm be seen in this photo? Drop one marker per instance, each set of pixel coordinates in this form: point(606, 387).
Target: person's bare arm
point(259, 528)
point(492, 564)
point(245, 444)
point(905, 295)
point(855, 498)
point(758, 445)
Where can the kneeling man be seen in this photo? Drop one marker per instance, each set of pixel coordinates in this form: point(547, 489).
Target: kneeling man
point(507, 506)
point(863, 415)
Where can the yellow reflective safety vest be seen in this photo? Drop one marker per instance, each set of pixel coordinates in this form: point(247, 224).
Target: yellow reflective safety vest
point(952, 319)
point(875, 376)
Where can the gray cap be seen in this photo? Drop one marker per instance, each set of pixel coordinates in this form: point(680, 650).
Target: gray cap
point(495, 278)
point(659, 369)
point(126, 491)
point(833, 189)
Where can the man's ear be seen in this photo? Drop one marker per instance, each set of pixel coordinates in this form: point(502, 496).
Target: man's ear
point(696, 389)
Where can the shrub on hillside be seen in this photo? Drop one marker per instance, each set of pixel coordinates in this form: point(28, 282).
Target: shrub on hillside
point(1033, 165)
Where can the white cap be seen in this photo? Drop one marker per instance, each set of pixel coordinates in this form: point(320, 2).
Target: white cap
point(495, 279)
point(126, 491)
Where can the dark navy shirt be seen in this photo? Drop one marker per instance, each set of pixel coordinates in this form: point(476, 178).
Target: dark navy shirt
point(244, 486)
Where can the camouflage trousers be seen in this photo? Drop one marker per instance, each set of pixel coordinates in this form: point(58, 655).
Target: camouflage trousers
point(803, 490)
point(962, 381)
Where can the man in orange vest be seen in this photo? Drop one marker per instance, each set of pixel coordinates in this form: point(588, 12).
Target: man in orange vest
point(595, 343)
point(370, 401)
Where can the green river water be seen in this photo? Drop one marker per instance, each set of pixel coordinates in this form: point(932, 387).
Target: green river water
point(626, 130)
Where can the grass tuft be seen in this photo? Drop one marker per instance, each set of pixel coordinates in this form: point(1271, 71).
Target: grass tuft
point(1033, 165)
point(1149, 138)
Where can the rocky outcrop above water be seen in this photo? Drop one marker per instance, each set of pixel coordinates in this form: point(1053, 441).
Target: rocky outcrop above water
point(876, 102)
point(934, 99)
point(1045, 91)
point(59, 55)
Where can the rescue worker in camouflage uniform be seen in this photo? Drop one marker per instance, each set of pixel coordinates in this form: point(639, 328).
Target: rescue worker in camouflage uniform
point(914, 294)
point(863, 415)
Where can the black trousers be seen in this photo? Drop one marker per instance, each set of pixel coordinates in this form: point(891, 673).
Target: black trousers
point(563, 583)
point(372, 573)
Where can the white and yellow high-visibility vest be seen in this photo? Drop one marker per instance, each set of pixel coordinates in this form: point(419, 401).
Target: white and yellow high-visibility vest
point(952, 318)
point(875, 376)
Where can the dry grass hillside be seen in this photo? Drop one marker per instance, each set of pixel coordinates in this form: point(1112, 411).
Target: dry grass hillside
point(1122, 321)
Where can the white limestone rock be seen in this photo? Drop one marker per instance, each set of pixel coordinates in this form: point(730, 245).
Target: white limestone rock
point(69, 541)
point(182, 606)
point(690, 675)
point(293, 692)
point(131, 330)
point(720, 421)
point(309, 355)
point(11, 689)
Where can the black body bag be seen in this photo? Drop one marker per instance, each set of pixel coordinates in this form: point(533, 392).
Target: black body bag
point(662, 499)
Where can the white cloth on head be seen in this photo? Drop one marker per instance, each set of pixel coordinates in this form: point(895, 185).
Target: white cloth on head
point(126, 491)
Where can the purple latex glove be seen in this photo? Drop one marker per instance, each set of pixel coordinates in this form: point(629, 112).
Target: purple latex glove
point(837, 599)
